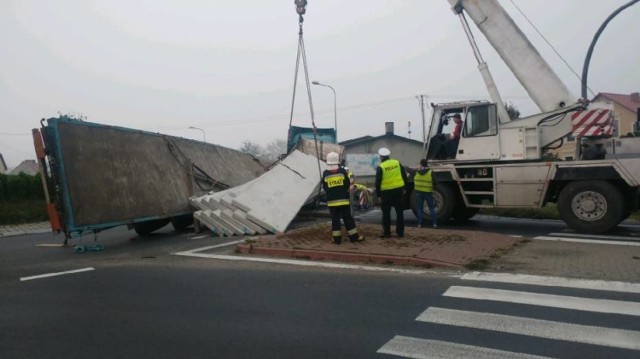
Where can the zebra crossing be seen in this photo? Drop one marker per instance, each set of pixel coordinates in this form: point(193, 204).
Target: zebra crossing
point(473, 311)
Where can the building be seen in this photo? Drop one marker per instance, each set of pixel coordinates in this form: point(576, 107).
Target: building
point(625, 113)
point(625, 109)
point(3, 165)
point(29, 167)
point(362, 157)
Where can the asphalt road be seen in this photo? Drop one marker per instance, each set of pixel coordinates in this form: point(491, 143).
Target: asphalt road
point(138, 299)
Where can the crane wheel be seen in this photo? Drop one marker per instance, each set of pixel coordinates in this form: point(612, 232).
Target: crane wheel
point(591, 206)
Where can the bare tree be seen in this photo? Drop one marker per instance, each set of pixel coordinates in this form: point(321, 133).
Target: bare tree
point(275, 149)
point(252, 148)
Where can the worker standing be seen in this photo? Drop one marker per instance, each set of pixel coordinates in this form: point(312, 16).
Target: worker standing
point(423, 180)
point(390, 188)
point(336, 184)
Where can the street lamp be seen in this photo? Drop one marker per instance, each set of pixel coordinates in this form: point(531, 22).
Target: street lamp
point(335, 109)
point(204, 135)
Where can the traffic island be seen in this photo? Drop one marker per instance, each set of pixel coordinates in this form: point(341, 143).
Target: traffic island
point(422, 247)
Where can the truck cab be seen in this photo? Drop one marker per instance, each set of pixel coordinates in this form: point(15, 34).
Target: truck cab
point(477, 139)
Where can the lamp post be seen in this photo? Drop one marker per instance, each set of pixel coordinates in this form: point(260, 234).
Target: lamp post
point(204, 135)
point(335, 109)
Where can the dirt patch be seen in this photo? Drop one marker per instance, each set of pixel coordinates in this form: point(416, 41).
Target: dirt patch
point(419, 246)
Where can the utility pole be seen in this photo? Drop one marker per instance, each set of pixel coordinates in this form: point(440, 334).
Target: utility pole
point(421, 100)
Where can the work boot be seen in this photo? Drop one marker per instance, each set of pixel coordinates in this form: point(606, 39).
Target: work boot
point(385, 235)
point(336, 240)
point(359, 239)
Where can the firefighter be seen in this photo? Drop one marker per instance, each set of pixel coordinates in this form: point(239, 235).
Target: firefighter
point(336, 184)
point(391, 180)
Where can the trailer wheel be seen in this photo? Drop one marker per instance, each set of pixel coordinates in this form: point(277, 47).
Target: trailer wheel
point(147, 227)
point(591, 206)
point(443, 202)
point(181, 222)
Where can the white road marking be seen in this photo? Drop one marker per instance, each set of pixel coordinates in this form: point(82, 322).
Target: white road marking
point(554, 281)
point(303, 263)
point(611, 337)
point(57, 274)
point(595, 236)
point(416, 348)
point(581, 240)
point(198, 237)
point(546, 300)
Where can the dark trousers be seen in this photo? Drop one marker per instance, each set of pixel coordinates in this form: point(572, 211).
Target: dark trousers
point(392, 198)
point(343, 212)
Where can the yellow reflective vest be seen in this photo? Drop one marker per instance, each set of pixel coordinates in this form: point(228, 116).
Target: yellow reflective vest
point(423, 182)
point(391, 175)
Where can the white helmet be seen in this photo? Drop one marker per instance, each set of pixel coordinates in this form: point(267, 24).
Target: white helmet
point(383, 151)
point(333, 158)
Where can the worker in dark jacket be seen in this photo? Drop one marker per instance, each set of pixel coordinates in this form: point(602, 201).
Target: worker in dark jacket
point(391, 180)
point(336, 184)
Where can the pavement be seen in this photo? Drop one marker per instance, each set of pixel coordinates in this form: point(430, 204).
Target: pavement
point(26, 228)
point(449, 249)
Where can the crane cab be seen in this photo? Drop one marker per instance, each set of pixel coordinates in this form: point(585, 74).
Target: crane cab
point(476, 137)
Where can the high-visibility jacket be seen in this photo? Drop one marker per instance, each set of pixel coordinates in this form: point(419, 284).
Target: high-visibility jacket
point(423, 182)
point(336, 184)
point(391, 175)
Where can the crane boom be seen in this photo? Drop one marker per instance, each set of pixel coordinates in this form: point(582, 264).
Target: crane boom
point(543, 85)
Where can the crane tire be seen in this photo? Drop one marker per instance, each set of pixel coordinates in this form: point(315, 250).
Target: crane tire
point(444, 198)
point(591, 206)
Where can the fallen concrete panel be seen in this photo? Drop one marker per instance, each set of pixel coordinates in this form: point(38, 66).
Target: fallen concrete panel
point(242, 217)
point(217, 215)
point(199, 215)
point(267, 203)
point(223, 229)
point(227, 215)
point(273, 199)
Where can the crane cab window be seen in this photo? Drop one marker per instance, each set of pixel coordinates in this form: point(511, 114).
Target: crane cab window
point(481, 121)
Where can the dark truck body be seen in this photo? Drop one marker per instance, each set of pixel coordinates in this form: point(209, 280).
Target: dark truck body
point(98, 176)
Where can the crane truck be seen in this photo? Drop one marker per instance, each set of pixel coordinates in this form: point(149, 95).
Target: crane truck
point(497, 162)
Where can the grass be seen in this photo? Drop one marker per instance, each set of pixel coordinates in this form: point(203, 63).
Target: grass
point(22, 211)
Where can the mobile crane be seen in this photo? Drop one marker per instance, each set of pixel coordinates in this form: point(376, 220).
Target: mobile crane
point(497, 162)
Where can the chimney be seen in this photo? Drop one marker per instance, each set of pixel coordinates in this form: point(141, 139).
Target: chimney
point(388, 128)
point(635, 96)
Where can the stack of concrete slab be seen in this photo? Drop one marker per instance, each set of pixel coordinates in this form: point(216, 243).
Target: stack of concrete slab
point(266, 204)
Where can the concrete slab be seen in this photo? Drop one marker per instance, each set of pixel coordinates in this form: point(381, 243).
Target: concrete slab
point(217, 215)
point(222, 229)
point(286, 188)
point(200, 216)
point(227, 215)
point(242, 217)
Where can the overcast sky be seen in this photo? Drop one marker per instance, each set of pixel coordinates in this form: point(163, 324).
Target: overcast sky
point(227, 66)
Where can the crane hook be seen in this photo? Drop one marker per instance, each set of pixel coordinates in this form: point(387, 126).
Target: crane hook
point(301, 8)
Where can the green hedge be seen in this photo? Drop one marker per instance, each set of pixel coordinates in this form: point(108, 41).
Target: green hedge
point(21, 199)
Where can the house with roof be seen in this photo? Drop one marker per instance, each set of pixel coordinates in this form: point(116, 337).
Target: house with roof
point(3, 165)
point(29, 167)
point(361, 154)
point(625, 109)
point(625, 114)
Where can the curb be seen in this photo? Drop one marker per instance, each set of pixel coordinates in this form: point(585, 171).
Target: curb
point(344, 257)
point(21, 233)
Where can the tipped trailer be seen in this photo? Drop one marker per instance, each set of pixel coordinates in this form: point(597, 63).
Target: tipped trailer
point(97, 176)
